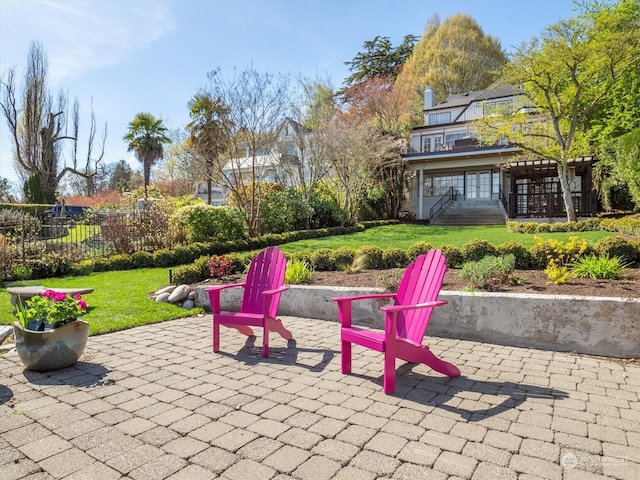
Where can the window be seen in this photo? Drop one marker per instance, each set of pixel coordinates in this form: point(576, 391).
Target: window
point(450, 138)
point(440, 117)
point(438, 185)
point(501, 107)
point(432, 143)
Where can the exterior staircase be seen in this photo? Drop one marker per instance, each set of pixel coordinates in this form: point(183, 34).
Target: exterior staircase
point(464, 212)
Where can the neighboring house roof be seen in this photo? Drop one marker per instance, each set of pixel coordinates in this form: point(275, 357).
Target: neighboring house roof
point(245, 163)
point(462, 99)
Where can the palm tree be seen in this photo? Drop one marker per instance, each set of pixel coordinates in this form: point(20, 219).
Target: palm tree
point(208, 132)
point(146, 136)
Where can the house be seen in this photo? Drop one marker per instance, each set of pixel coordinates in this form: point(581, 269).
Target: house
point(452, 173)
point(279, 162)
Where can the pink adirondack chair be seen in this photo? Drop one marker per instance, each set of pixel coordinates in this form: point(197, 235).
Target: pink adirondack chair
point(405, 321)
point(262, 290)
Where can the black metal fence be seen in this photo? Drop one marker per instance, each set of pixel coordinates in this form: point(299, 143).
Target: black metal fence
point(54, 240)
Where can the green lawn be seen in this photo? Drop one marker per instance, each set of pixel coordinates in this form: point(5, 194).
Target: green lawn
point(119, 300)
point(405, 235)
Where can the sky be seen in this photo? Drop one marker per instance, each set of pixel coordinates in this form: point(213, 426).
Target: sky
point(130, 56)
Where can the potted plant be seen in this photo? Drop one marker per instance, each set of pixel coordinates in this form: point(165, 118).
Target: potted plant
point(48, 333)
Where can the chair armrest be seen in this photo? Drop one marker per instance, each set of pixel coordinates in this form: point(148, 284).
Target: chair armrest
point(401, 308)
point(344, 305)
point(214, 294)
point(222, 287)
point(276, 290)
point(363, 297)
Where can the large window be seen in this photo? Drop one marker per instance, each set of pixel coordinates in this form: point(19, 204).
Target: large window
point(437, 185)
point(432, 143)
point(440, 117)
point(450, 138)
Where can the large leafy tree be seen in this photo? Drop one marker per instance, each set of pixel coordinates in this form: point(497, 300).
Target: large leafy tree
point(258, 104)
point(454, 56)
point(569, 73)
point(208, 134)
point(38, 125)
point(379, 59)
point(146, 136)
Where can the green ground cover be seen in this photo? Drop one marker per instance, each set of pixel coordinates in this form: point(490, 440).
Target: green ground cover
point(120, 298)
point(405, 235)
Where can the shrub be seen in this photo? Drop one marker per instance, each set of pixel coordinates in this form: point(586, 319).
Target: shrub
point(489, 272)
point(418, 249)
point(142, 260)
point(344, 256)
point(545, 252)
point(617, 247)
point(322, 260)
point(477, 249)
point(284, 210)
point(120, 262)
point(558, 274)
point(163, 258)
point(519, 251)
point(373, 254)
point(390, 279)
point(80, 269)
point(188, 274)
point(205, 222)
point(303, 256)
point(453, 255)
point(219, 267)
point(298, 271)
point(395, 258)
point(598, 267)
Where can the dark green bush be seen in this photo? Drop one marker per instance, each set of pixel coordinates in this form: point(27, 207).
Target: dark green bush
point(120, 262)
point(519, 251)
point(322, 260)
point(395, 258)
point(163, 258)
point(142, 260)
point(453, 256)
point(617, 247)
point(477, 249)
point(80, 269)
point(418, 249)
point(373, 254)
point(188, 274)
point(344, 256)
point(490, 272)
point(302, 256)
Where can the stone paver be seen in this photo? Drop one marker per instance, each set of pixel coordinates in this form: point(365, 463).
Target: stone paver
point(154, 402)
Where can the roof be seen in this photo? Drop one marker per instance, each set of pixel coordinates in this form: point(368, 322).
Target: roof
point(261, 161)
point(462, 99)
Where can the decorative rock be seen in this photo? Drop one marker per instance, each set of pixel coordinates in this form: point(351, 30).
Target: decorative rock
point(163, 297)
point(167, 289)
point(180, 293)
point(188, 304)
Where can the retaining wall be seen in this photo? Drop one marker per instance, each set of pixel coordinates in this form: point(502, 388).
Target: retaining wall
point(590, 325)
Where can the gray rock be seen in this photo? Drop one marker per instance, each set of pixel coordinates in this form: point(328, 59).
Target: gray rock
point(163, 297)
point(167, 289)
point(180, 293)
point(188, 304)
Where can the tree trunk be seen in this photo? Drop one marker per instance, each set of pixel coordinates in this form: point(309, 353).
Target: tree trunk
point(563, 176)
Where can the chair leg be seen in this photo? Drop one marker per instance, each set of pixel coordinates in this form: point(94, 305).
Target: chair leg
point(216, 336)
point(275, 325)
point(346, 356)
point(389, 377)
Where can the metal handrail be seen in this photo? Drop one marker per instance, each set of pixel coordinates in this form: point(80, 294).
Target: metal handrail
point(442, 202)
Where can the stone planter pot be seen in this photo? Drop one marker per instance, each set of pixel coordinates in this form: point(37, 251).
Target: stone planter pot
point(51, 349)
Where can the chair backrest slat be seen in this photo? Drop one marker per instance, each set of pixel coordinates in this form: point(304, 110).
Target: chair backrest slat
point(266, 272)
point(421, 283)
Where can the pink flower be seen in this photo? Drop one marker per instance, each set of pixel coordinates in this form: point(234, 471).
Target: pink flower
point(82, 304)
point(48, 293)
point(59, 296)
point(77, 296)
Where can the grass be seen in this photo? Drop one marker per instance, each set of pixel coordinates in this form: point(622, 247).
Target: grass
point(119, 300)
point(405, 235)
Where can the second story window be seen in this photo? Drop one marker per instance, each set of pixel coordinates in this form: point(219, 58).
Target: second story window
point(432, 143)
point(440, 117)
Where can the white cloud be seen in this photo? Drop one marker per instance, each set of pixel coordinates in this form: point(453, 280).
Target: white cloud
point(85, 35)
